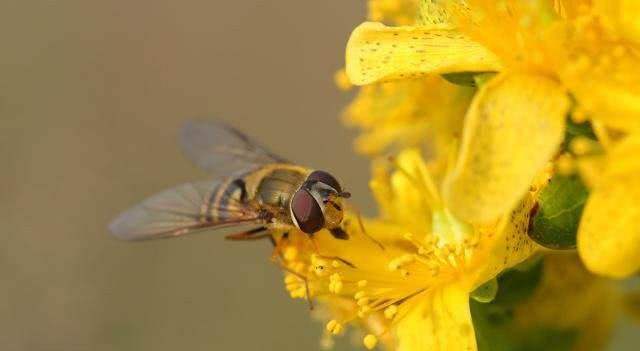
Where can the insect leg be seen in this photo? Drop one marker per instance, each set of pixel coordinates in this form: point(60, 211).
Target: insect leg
point(301, 277)
point(277, 247)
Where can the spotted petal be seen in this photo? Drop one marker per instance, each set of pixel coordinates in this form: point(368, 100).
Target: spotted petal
point(377, 53)
point(512, 129)
point(507, 244)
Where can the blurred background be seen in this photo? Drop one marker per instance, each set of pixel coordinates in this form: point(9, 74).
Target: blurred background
point(92, 95)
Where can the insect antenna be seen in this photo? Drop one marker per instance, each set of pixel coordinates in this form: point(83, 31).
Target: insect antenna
point(363, 229)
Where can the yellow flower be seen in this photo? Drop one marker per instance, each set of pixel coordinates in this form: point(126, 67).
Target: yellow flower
point(422, 112)
point(547, 54)
point(408, 276)
point(542, 53)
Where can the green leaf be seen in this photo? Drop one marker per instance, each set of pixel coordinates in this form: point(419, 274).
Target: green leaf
point(548, 339)
point(468, 79)
point(517, 285)
point(560, 205)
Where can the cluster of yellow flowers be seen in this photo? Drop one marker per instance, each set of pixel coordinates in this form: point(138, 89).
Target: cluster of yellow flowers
point(468, 109)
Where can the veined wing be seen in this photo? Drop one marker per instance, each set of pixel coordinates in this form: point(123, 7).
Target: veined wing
point(184, 209)
point(223, 150)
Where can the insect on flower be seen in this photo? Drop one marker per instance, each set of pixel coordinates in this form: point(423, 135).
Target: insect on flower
point(251, 188)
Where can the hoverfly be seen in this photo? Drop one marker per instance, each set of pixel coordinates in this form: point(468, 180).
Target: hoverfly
point(250, 187)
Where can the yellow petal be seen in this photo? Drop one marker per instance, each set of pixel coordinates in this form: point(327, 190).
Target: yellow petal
point(437, 321)
point(512, 129)
point(620, 16)
point(623, 158)
point(409, 191)
point(608, 237)
point(508, 244)
point(376, 53)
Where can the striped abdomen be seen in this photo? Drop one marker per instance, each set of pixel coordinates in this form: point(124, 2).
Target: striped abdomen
point(270, 188)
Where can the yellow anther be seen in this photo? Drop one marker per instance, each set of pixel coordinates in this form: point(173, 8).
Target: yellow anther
point(334, 327)
point(292, 285)
point(298, 267)
point(363, 301)
point(290, 253)
point(360, 294)
point(565, 164)
point(581, 146)
point(578, 116)
point(390, 311)
point(342, 81)
point(335, 287)
point(404, 273)
point(362, 283)
point(289, 279)
point(370, 341)
point(336, 263)
point(298, 293)
point(408, 236)
point(335, 283)
point(423, 251)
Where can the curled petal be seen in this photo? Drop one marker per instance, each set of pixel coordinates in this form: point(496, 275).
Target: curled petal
point(377, 53)
point(510, 244)
point(512, 129)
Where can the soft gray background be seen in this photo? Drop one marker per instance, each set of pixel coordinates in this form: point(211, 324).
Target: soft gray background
point(91, 97)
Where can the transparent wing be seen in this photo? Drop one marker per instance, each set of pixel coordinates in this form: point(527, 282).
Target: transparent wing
point(221, 149)
point(181, 210)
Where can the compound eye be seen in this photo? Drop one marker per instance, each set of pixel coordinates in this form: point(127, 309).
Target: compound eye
point(326, 178)
point(307, 212)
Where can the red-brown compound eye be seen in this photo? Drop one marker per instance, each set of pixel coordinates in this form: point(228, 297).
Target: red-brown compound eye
point(326, 178)
point(307, 212)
